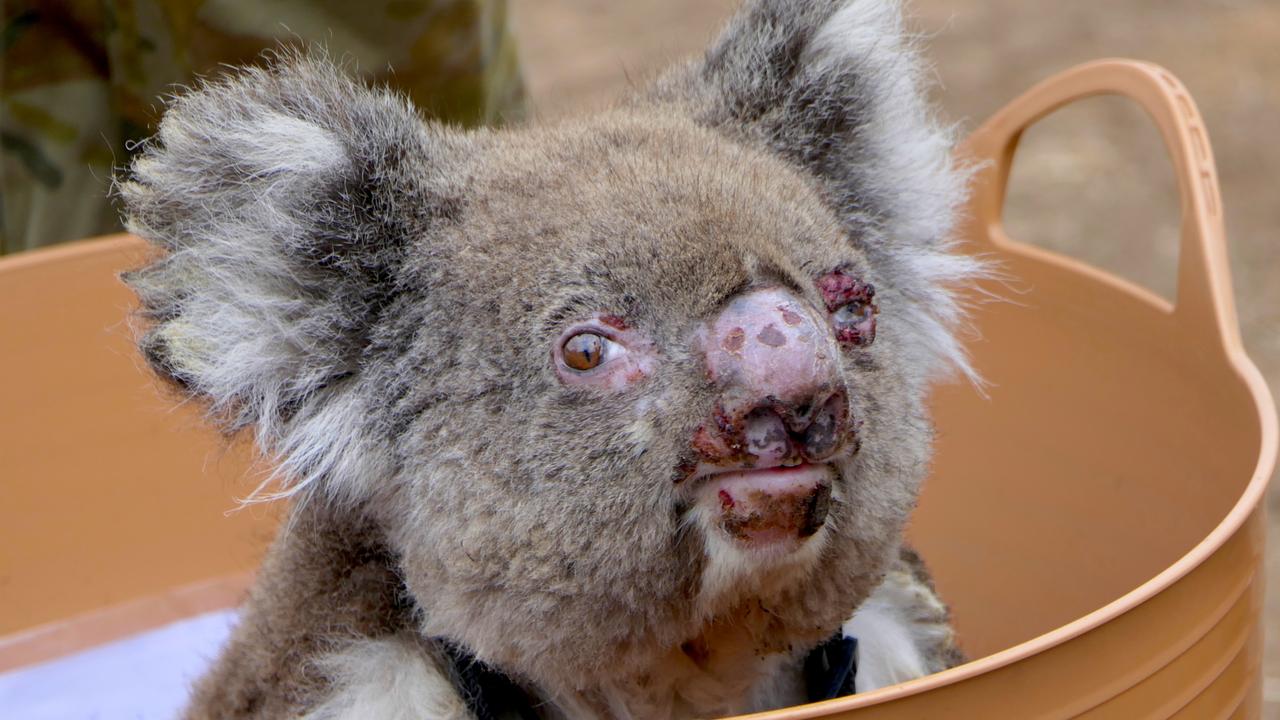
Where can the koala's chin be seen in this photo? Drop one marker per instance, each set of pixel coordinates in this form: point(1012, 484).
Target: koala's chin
point(617, 417)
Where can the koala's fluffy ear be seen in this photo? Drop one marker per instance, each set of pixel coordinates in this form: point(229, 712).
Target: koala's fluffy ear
point(836, 87)
point(285, 199)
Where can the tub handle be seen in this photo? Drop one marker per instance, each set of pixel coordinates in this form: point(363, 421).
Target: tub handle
point(1204, 301)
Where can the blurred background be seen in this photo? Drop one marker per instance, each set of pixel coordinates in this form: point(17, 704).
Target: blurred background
point(81, 82)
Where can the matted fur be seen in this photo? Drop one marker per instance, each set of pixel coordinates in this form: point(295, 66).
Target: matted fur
point(377, 296)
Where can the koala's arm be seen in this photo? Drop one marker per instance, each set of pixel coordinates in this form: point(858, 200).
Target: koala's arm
point(903, 629)
point(327, 633)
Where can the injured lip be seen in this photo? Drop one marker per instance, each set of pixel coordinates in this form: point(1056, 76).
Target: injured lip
point(770, 506)
point(706, 471)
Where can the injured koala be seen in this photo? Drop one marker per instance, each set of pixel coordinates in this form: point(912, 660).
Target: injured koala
point(620, 416)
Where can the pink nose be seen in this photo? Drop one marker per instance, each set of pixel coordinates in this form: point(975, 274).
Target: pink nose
point(768, 344)
point(777, 365)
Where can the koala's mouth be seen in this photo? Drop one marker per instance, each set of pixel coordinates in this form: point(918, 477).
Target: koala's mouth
point(773, 507)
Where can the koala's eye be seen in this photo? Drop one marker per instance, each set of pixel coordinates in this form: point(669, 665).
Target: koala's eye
point(604, 352)
point(851, 303)
point(855, 323)
point(852, 314)
point(586, 351)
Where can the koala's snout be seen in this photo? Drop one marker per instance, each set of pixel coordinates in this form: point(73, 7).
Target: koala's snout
point(782, 400)
point(782, 411)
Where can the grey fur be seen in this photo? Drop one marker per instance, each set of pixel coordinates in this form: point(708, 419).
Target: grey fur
point(377, 297)
point(286, 200)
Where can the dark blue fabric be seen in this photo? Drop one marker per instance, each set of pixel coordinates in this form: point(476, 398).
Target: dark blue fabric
point(489, 693)
point(829, 670)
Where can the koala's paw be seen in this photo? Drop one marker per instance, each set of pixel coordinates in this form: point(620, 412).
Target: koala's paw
point(903, 629)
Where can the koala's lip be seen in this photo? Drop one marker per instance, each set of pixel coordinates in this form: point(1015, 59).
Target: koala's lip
point(771, 506)
point(704, 470)
point(771, 470)
point(779, 480)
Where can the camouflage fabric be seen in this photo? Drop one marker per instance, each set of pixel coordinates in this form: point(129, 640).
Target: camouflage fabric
point(82, 81)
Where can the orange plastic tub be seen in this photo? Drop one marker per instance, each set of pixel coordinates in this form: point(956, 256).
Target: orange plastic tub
point(1096, 521)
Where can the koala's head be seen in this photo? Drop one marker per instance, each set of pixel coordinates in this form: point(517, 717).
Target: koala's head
point(610, 385)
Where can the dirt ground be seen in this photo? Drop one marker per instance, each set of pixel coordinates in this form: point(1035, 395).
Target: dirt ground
point(1091, 181)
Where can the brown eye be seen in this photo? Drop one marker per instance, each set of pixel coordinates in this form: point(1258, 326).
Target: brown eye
point(584, 351)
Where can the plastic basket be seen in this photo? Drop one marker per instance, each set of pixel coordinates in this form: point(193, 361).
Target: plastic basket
point(1095, 522)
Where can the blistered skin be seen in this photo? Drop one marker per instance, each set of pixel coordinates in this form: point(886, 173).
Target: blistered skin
point(769, 343)
point(774, 359)
point(852, 305)
point(782, 412)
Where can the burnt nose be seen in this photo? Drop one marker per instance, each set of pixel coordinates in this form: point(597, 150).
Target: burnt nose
point(766, 437)
point(781, 400)
point(770, 344)
point(821, 438)
point(780, 435)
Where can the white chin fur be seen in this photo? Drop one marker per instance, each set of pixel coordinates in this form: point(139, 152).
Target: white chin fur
point(735, 569)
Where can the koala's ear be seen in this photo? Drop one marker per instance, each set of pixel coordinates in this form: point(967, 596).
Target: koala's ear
point(285, 200)
point(834, 86)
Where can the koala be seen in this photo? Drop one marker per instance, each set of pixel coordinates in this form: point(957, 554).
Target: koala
point(619, 416)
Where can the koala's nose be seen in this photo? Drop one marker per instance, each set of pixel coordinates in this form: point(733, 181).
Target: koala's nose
point(768, 344)
point(777, 365)
point(775, 438)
